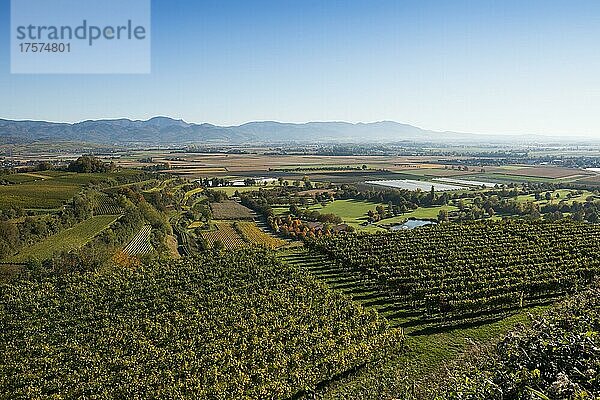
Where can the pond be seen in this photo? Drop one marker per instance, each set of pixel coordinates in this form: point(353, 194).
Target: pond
point(411, 224)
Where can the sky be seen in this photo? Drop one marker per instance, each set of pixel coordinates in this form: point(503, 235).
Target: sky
point(480, 66)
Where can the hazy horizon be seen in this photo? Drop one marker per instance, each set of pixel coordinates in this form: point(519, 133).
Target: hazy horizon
point(486, 68)
point(551, 136)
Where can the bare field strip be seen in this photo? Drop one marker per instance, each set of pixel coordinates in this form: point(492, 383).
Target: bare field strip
point(543, 172)
point(230, 210)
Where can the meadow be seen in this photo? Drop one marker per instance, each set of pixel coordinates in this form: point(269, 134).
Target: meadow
point(352, 212)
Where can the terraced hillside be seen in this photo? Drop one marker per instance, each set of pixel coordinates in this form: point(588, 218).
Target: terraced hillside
point(463, 273)
point(353, 284)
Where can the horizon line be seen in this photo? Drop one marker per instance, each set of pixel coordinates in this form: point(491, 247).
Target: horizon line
point(75, 122)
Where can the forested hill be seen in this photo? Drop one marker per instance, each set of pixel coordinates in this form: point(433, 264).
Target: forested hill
point(163, 130)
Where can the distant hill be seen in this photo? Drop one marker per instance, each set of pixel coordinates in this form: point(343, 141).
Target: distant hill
point(164, 130)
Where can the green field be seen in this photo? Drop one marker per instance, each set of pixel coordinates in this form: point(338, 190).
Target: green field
point(68, 239)
point(563, 197)
point(36, 195)
point(352, 212)
point(230, 190)
point(419, 213)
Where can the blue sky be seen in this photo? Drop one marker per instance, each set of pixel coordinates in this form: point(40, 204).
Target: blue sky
point(476, 66)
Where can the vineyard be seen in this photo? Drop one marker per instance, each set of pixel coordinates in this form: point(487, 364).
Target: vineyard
point(253, 234)
point(140, 244)
point(240, 325)
point(231, 210)
point(225, 234)
point(66, 240)
point(556, 358)
point(107, 206)
point(454, 273)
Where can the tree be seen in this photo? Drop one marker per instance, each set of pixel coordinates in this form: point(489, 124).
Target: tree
point(294, 210)
point(443, 215)
point(90, 164)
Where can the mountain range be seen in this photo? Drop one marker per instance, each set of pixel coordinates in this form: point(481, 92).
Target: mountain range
point(168, 131)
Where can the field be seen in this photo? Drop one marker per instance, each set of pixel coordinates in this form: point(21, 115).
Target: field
point(545, 172)
point(226, 234)
point(231, 210)
point(352, 212)
point(191, 193)
point(68, 239)
point(565, 195)
point(592, 180)
point(465, 182)
point(209, 165)
point(508, 178)
point(436, 172)
point(409, 184)
point(239, 325)
point(107, 206)
point(559, 344)
point(419, 213)
point(36, 195)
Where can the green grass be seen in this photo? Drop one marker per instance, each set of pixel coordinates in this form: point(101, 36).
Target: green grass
point(419, 213)
point(68, 239)
point(563, 197)
point(230, 190)
point(352, 212)
point(19, 178)
point(424, 365)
